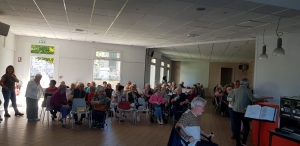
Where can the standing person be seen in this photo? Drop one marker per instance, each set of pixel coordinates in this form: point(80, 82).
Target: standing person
point(230, 106)
point(242, 97)
point(164, 80)
point(7, 82)
point(34, 91)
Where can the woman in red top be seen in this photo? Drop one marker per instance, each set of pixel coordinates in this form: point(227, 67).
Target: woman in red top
point(91, 95)
point(192, 95)
point(156, 100)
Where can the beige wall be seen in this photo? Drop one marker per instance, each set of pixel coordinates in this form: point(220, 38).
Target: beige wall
point(215, 74)
point(250, 74)
point(175, 71)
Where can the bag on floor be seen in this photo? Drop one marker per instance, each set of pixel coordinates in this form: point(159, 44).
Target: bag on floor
point(125, 105)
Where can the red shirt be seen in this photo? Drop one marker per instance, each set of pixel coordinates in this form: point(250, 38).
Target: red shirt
point(90, 97)
point(49, 90)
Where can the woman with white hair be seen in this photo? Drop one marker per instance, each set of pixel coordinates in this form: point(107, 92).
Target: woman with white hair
point(189, 124)
point(99, 99)
point(34, 91)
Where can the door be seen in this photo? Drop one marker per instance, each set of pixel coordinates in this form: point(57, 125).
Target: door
point(226, 76)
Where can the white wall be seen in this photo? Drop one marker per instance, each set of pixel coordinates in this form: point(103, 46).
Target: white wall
point(75, 59)
point(7, 50)
point(192, 72)
point(279, 75)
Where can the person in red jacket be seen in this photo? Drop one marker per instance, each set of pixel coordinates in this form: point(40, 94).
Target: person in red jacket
point(156, 100)
point(91, 94)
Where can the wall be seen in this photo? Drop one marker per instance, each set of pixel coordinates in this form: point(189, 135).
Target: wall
point(7, 50)
point(75, 59)
point(175, 69)
point(192, 72)
point(277, 76)
point(215, 74)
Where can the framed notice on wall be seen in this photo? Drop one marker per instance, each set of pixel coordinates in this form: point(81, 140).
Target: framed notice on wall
point(19, 59)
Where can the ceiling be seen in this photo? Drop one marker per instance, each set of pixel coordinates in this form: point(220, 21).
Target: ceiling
point(161, 24)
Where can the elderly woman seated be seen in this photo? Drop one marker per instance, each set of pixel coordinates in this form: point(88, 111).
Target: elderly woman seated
point(132, 97)
point(156, 100)
point(59, 103)
point(99, 108)
point(189, 124)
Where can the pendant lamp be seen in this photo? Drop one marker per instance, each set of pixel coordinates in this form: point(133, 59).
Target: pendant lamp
point(264, 55)
point(279, 51)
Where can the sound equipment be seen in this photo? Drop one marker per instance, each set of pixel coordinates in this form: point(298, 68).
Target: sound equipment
point(4, 28)
point(290, 114)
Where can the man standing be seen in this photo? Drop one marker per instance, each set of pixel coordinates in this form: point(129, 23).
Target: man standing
point(242, 97)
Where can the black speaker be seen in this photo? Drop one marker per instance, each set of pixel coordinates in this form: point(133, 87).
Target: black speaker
point(4, 28)
point(152, 53)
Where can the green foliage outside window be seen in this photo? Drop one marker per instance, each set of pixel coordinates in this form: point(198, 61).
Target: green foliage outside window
point(41, 49)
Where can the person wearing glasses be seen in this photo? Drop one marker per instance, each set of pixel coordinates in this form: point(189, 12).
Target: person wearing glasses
point(189, 124)
point(180, 103)
point(77, 93)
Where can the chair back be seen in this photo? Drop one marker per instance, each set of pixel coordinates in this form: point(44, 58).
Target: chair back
point(216, 101)
point(48, 102)
point(78, 102)
point(142, 101)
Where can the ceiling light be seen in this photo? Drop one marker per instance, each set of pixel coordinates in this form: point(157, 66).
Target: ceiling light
point(192, 35)
point(225, 12)
point(279, 51)
point(79, 30)
point(264, 55)
point(79, 9)
point(25, 8)
point(200, 9)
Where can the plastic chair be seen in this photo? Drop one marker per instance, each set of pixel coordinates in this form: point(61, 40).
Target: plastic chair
point(47, 109)
point(142, 102)
point(78, 102)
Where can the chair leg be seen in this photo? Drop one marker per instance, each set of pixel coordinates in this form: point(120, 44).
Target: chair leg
point(41, 112)
point(48, 117)
point(44, 115)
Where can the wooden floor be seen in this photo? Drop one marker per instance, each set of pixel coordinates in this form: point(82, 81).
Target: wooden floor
point(18, 131)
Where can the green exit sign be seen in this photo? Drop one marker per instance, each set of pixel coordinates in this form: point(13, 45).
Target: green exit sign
point(42, 42)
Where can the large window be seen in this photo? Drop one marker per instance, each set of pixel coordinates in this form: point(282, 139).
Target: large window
point(107, 67)
point(42, 61)
point(168, 75)
point(152, 76)
point(161, 74)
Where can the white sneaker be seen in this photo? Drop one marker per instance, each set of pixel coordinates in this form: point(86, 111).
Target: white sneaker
point(138, 118)
point(158, 122)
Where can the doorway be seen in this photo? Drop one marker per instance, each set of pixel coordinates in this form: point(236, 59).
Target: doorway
point(226, 76)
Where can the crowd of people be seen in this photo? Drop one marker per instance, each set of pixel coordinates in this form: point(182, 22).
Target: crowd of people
point(233, 98)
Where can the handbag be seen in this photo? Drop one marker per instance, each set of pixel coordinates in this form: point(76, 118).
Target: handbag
point(100, 107)
point(125, 105)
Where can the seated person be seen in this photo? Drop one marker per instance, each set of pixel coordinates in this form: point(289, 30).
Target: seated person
point(193, 94)
point(99, 99)
point(77, 93)
point(156, 100)
point(87, 90)
point(132, 97)
point(108, 90)
point(147, 92)
point(164, 95)
point(119, 94)
point(182, 84)
point(69, 90)
point(49, 92)
point(218, 94)
point(224, 102)
point(189, 125)
point(91, 95)
point(173, 87)
point(179, 102)
point(59, 103)
point(127, 87)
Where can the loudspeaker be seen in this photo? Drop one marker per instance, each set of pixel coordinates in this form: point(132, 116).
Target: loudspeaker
point(4, 28)
point(152, 53)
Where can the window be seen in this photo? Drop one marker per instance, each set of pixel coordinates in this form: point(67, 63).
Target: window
point(161, 74)
point(162, 63)
point(42, 61)
point(153, 60)
point(110, 55)
point(152, 76)
point(168, 65)
point(107, 67)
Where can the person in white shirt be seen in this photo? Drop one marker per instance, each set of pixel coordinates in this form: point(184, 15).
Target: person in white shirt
point(34, 91)
point(69, 91)
point(190, 127)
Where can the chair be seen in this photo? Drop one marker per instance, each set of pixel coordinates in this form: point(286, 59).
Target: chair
point(105, 117)
point(47, 109)
point(142, 102)
point(78, 102)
